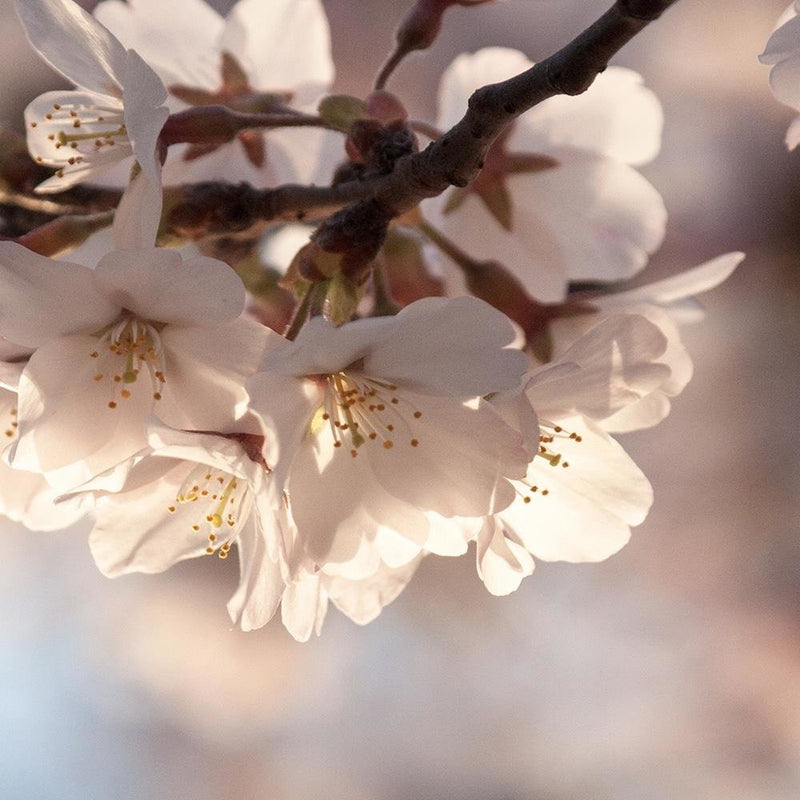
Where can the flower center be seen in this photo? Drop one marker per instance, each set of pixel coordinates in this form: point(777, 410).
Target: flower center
point(360, 410)
point(82, 133)
point(127, 347)
point(223, 503)
point(549, 437)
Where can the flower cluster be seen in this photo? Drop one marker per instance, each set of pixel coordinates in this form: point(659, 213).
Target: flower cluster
point(429, 381)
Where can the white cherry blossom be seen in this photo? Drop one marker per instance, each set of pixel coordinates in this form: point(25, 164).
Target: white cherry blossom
point(558, 199)
point(144, 332)
point(582, 493)
point(374, 425)
point(667, 303)
point(116, 111)
point(263, 55)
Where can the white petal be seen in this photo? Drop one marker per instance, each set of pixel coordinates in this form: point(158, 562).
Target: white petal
point(783, 43)
point(338, 506)
point(157, 284)
point(362, 601)
point(502, 563)
point(205, 374)
point(282, 44)
point(64, 413)
point(178, 39)
point(470, 71)
point(679, 287)
point(617, 117)
point(74, 43)
point(540, 266)
point(590, 504)
point(784, 80)
point(619, 362)
point(456, 347)
point(42, 298)
point(458, 465)
point(642, 414)
point(303, 607)
point(136, 532)
point(138, 214)
point(605, 217)
point(260, 583)
point(793, 134)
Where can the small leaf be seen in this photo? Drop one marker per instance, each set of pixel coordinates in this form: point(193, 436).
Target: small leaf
point(455, 199)
point(341, 110)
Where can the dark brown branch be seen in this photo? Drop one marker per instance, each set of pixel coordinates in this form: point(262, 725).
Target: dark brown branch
point(219, 124)
point(453, 159)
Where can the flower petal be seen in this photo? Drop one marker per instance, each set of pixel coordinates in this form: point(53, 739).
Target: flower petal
point(590, 504)
point(74, 43)
point(135, 530)
point(456, 347)
point(502, 563)
point(283, 44)
point(619, 362)
point(178, 39)
point(157, 284)
point(42, 298)
point(65, 418)
point(256, 598)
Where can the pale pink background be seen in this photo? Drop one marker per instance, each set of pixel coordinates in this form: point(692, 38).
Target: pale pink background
point(672, 671)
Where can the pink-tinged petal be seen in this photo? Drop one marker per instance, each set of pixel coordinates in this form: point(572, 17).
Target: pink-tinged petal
point(604, 216)
point(138, 214)
point(617, 117)
point(619, 362)
point(74, 43)
point(449, 536)
point(338, 506)
point(538, 263)
point(679, 287)
point(590, 505)
point(502, 563)
point(135, 529)
point(456, 347)
point(256, 598)
point(178, 39)
point(362, 601)
point(452, 459)
point(303, 607)
point(792, 138)
point(321, 348)
point(783, 80)
point(157, 284)
point(282, 44)
point(783, 43)
point(644, 413)
point(42, 298)
point(65, 413)
point(471, 71)
point(205, 371)
point(144, 96)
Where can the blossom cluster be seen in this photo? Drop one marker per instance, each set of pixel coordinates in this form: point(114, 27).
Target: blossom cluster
point(456, 390)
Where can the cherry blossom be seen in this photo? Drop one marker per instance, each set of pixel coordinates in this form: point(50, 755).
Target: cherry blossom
point(558, 199)
point(265, 55)
point(373, 424)
point(144, 332)
point(116, 111)
point(582, 493)
point(668, 304)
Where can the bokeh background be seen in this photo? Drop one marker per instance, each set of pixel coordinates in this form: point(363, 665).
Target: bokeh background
point(671, 671)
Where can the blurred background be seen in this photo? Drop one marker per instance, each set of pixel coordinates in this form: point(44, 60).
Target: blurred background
point(671, 671)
